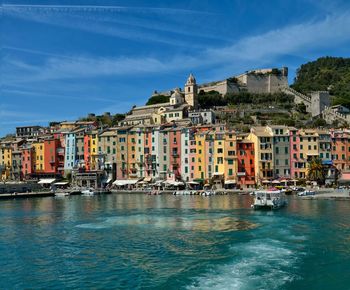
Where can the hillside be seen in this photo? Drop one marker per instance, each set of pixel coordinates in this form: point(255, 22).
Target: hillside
point(326, 73)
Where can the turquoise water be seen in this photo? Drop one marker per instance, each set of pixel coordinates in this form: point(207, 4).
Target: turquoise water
point(167, 242)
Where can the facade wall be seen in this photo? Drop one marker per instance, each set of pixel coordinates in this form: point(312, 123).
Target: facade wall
point(39, 166)
point(185, 154)
point(70, 152)
point(245, 163)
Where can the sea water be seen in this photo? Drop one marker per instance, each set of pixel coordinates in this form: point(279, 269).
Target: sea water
point(134, 241)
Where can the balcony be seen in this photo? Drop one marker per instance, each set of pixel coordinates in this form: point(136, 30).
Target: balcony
point(175, 155)
point(241, 173)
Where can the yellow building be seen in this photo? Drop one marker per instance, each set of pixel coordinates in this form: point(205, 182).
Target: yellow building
point(200, 161)
point(219, 153)
point(93, 136)
point(5, 162)
point(309, 148)
point(262, 139)
point(230, 160)
point(39, 156)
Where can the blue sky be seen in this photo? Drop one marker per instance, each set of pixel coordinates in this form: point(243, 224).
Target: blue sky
point(63, 59)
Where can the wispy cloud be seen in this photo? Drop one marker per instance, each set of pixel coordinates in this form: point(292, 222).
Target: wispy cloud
point(136, 23)
point(259, 50)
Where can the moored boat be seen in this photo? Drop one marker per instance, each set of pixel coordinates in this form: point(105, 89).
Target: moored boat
point(61, 193)
point(307, 193)
point(269, 199)
point(95, 191)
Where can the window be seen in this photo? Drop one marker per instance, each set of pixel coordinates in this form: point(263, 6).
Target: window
point(230, 162)
point(230, 172)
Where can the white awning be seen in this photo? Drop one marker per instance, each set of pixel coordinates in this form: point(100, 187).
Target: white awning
point(108, 180)
point(232, 181)
point(47, 181)
point(61, 183)
point(125, 182)
point(276, 182)
point(147, 179)
point(193, 182)
point(175, 183)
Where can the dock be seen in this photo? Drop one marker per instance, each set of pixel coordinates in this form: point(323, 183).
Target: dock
point(26, 194)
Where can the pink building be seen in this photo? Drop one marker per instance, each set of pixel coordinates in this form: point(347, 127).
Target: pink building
point(175, 152)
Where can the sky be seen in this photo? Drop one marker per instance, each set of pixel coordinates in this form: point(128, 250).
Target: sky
point(61, 60)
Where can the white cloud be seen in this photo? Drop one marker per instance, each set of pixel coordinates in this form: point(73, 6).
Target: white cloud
point(135, 23)
point(259, 50)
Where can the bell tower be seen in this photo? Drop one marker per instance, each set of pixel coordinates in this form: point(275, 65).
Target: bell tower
point(191, 96)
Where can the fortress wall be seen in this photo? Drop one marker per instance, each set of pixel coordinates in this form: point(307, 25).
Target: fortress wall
point(276, 83)
point(221, 87)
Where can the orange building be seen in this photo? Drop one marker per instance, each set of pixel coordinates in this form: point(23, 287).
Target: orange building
point(245, 161)
point(341, 149)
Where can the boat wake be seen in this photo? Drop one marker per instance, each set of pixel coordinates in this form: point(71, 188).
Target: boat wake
point(259, 264)
point(199, 223)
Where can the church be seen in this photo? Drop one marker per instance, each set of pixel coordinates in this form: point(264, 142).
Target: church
point(180, 103)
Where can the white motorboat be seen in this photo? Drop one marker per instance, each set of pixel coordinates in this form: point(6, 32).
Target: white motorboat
point(61, 193)
point(94, 191)
point(307, 193)
point(269, 199)
point(208, 193)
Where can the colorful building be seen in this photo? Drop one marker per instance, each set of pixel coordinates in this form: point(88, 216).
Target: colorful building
point(245, 162)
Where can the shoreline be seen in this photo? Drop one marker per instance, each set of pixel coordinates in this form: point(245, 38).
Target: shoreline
point(321, 194)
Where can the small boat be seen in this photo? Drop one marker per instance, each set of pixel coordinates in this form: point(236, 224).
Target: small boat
point(61, 193)
point(269, 199)
point(92, 191)
point(208, 193)
point(307, 193)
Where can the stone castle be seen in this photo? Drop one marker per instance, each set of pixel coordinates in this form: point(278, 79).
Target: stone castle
point(260, 81)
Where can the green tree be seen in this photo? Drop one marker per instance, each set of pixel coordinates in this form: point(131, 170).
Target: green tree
point(210, 99)
point(326, 73)
point(158, 99)
point(316, 171)
point(301, 108)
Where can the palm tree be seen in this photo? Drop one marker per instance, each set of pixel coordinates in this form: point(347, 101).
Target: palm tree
point(316, 170)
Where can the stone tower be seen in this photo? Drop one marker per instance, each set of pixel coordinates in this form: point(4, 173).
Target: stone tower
point(191, 94)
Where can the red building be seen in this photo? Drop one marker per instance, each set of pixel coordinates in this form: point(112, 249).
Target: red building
point(245, 162)
point(28, 161)
point(53, 156)
point(87, 149)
